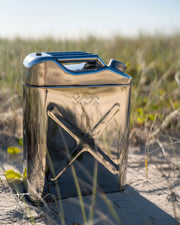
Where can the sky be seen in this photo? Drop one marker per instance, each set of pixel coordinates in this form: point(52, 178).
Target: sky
point(78, 18)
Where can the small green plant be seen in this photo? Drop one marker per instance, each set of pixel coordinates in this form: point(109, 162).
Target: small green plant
point(12, 175)
point(20, 141)
point(142, 116)
point(13, 150)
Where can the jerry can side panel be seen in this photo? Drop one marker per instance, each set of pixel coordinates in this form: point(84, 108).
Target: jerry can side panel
point(35, 129)
point(100, 112)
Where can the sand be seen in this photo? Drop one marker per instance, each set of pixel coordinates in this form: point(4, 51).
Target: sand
point(155, 200)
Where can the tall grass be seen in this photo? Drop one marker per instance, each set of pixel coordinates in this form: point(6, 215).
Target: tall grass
point(151, 61)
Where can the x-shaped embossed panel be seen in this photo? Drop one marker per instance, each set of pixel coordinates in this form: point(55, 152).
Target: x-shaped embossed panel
point(85, 142)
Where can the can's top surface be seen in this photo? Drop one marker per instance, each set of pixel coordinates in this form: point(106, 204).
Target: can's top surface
point(72, 68)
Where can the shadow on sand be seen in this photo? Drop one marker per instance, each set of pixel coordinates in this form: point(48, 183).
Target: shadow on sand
point(127, 207)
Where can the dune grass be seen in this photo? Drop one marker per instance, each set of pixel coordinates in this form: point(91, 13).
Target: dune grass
point(152, 62)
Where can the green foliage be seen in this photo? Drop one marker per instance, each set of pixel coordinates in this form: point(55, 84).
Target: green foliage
point(20, 141)
point(12, 175)
point(25, 173)
point(13, 150)
point(142, 116)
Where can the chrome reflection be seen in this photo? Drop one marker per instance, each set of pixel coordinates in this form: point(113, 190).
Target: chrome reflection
point(74, 125)
point(84, 140)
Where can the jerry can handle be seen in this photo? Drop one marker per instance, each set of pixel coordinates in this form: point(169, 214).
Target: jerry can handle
point(70, 63)
point(80, 58)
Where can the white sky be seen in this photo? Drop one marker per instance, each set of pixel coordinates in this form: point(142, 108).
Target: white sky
point(77, 18)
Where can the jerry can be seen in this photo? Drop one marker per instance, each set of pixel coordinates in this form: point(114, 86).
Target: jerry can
point(76, 124)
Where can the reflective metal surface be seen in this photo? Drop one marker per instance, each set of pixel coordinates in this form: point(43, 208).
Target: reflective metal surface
point(69, 127)
point(52, 70)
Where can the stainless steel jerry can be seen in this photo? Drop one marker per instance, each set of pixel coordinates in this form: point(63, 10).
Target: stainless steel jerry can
point(76, 124)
